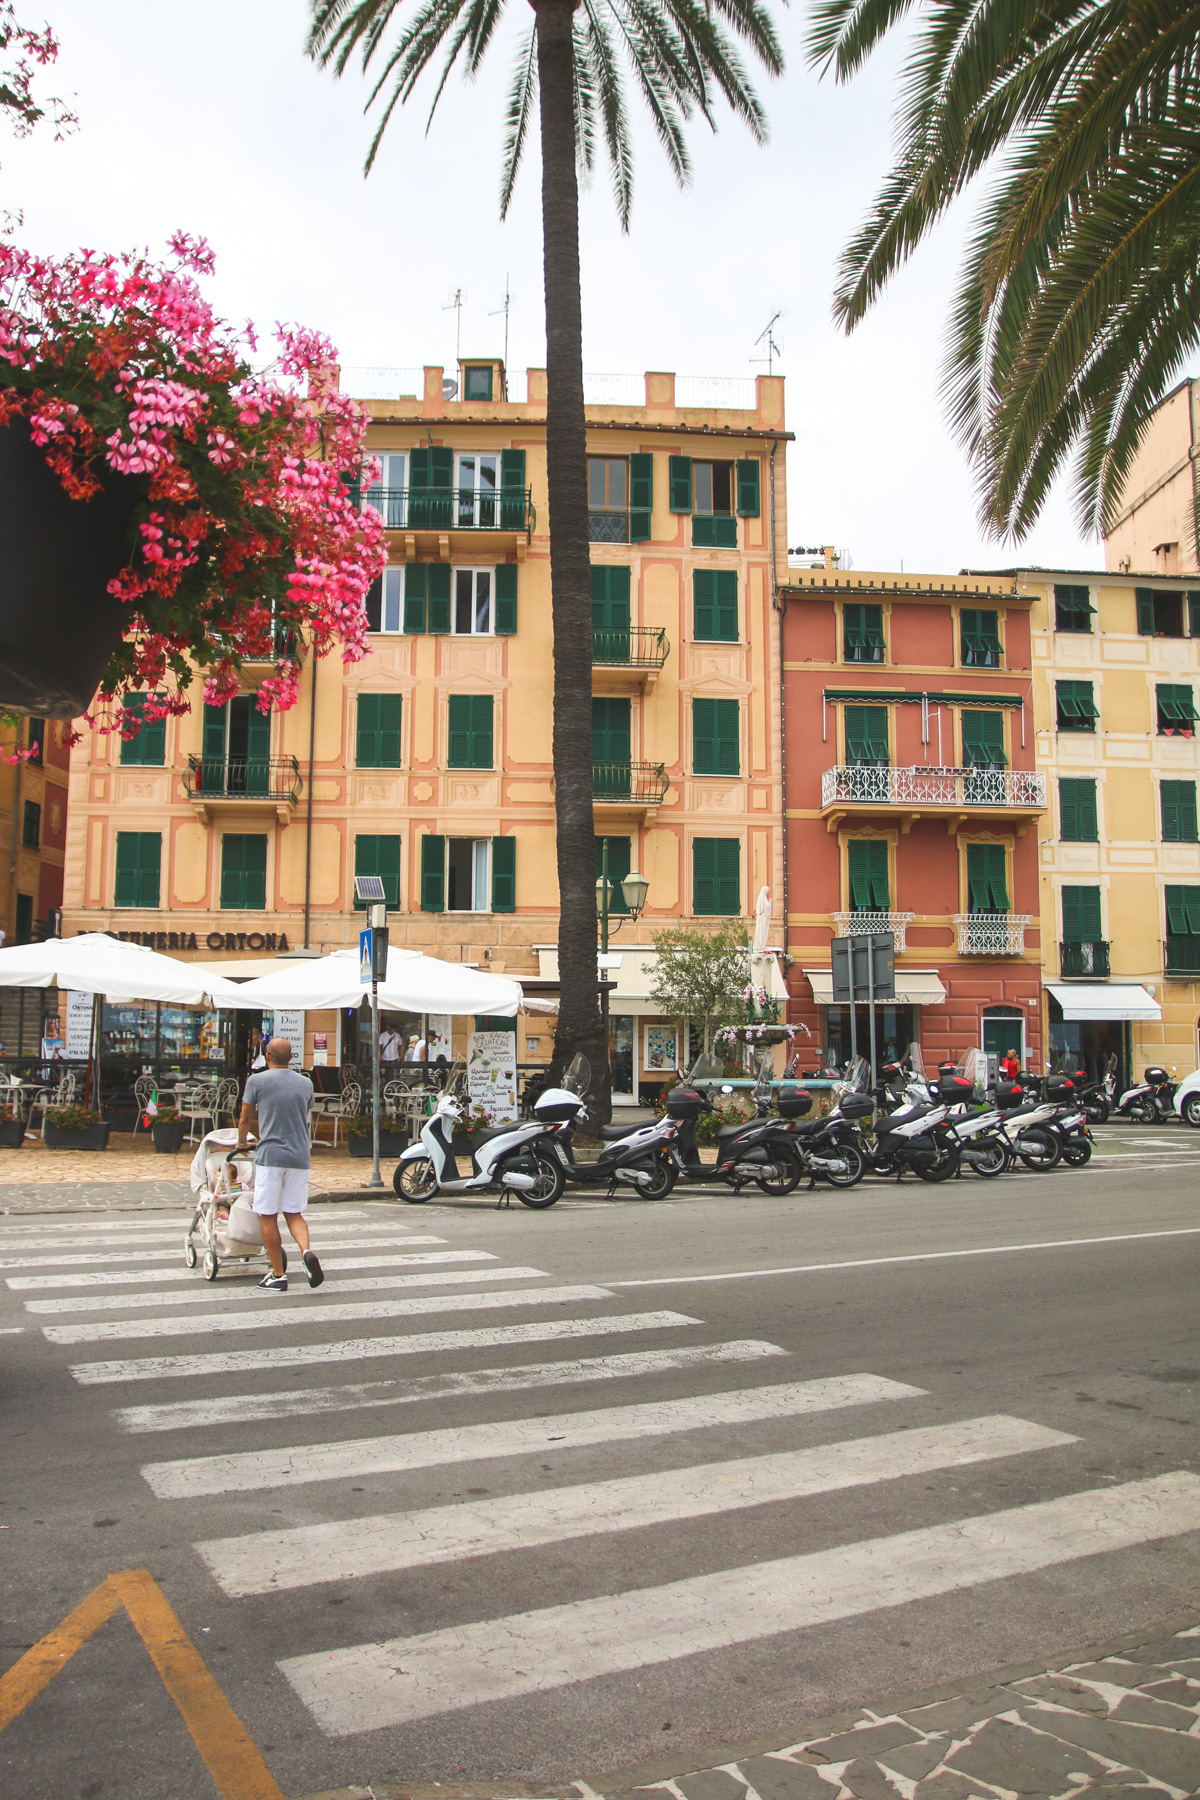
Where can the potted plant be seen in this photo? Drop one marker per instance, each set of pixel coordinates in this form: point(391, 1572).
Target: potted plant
point(164, 506)
point(392, 1138)
point(166, 1129)
point(75, 1128)
point(12, 1126)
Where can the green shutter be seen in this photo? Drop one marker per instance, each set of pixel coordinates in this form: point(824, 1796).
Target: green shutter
point(1145, 611)
point(505, 611)
point(748, 503)
point(1179, 812)
point(433, 873)
point(439, 596)
point(243, 872)
point(212, 758)
point(987, 884)
point(612, 739)
point(1183, 911)
point(610, 613)
point(715, 746)
point(1081, 915)
point(983, 740)
point(1077, 810)
point(980, 638)
point(378, 733)
point(641, 497)
point(862, 632)
point(416, 595)
point(679, 483)
point(418, 468)
point(620, 856)
point(1176, 709)
point(148, 750)
point(469, 743)
point(716, 876)
point(258, 751)
point(379, 856)
point(714, 531)
point(1073, 608)
point(1075, 706)
point(512, 490)
point(868, 869)
point(139, 856)
point(431, 471)
point(867, 735)
point(715, 606)
point(1193, 606)
point(504, 874)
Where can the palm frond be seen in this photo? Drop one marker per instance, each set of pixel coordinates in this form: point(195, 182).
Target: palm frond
point(522, 93)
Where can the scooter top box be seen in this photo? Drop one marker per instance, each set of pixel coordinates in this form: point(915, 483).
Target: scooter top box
point(1010, 1095)
point(685, 1103)
point(856, 1106)
point(1059, 1087)
point(793, 1103)
point(955, 1087)
point(557, 1105)
point(1155, 1075)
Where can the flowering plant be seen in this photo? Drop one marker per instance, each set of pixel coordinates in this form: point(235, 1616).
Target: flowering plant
point(759, 1003)
point(760, 1033)
point(247, 534)
point(72, 1118)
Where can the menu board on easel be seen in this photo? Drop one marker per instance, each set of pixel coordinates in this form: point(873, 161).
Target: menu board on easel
point(77, 1038)
point(289, 1024)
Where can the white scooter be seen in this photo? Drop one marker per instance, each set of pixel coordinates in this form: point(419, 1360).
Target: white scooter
point(505, 1159)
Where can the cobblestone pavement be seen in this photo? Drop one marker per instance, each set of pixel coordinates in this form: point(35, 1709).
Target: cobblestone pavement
point(1122, 1719)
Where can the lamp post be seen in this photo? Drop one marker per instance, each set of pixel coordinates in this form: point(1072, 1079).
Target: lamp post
point(635, 889)
point(369, 888)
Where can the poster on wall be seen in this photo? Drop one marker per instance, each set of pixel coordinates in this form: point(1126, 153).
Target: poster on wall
point(492, 1074)
point(440, 1027)
point(78, 1034)
point(288, 1023)
point(320, 1049)
point(658, 1057)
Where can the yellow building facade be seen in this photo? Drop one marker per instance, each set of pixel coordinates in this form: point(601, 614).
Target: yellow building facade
point(219, 835)
point(1116, 676)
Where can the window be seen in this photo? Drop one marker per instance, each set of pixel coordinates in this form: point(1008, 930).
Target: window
point(387, 495)
point(987, 886)
point(712, 488)
point(1081, 915)
point(619, 862)
point(1193, 601)
point(23, 922)
point(867, 860)
point(243, 872)
point(477, 383)
point(377, 740)
point(478, 485)
point(1075, 707)
point(1159, 612)
point(472, 602)
point(715, 737)
point(1183, 930)
point(715, 606)
point(236, 757)
point(867, 735)
point(468, 874)
point(385, 601)
point(862, 633)
point(610, 613)
point(31, 825)
point(1178, 799)
point(608, 500)
point(469, 743)
point(1072, 608)
point(611, 739)
point(983, 740)
point(716, 876)
point(707, 490)
point(1077, 812)
point(139, 854)
point(980, 638)
point(378, 856)
point(1176, 711)
point(35, 740)
point(149, 748)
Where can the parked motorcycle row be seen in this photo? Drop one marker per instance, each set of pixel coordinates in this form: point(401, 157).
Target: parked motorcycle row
point(931, 1127)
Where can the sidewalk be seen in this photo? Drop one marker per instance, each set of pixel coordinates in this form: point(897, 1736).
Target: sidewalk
point(1121, 1718)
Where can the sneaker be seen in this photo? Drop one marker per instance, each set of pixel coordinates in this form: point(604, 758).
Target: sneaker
point(274, 1284)
point(316, 1273)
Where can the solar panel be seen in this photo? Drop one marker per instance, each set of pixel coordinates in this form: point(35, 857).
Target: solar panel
point(369, 887)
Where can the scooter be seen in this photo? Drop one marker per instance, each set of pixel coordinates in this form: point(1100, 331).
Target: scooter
point(916, 1133)
point(637, 1155)
point(505, 1159)
point(1150, 1100)
point(761, 1150)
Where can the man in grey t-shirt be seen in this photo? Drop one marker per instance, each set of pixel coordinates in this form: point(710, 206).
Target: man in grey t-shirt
point(275, 1106)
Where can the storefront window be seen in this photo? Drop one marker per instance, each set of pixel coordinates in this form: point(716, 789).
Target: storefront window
point(620, 1052)
point(173, 1036)
point(896, 1027)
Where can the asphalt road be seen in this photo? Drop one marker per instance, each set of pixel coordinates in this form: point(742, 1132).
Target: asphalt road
point(555, 1584)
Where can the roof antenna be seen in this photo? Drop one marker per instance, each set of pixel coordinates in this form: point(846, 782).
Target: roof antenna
point(773, 349)
point(495, 315)
point(455, 306)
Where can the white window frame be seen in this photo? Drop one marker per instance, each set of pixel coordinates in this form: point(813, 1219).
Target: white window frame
point(393, 596)
point(481, 874)
point(707, 512)
point(472, 487)
point(392, 463)
point(474, 570)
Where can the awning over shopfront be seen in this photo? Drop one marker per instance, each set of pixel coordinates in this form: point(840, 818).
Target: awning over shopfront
point(1103, 1001)
point(914, 987)
point(633, 972)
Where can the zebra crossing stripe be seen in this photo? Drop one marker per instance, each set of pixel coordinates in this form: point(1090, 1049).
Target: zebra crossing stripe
point(218, 1363)
point(264, 1562)
point(298, 1463)
point(300, 1403)
point(110, 1257)
point(25, 1284)
point(76, 1303)
point(370, 1686)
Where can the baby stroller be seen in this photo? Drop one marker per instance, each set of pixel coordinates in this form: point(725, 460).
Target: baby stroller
point(224, 1227)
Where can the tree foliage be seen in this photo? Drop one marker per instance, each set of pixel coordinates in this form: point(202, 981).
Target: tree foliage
point(1079, 296)
point(701, 977)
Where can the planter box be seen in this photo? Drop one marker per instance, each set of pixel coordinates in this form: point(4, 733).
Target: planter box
point(391, 1143)
point(168, 1135)
point(122, 1118)
point(95, 1137)
point(12, 1134)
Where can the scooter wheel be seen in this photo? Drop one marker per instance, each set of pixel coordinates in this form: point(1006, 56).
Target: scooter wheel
point(551, 1182)
point(856, 1167)
point(995, 1159)
point(189, 1253)
point(665, 1177)
point(787, 1172)
point(947, 1164)
point(1143, 1112)
point(1097, 1111)
point(414, 1180)
point(1077, 1152)
point(1039, 1148)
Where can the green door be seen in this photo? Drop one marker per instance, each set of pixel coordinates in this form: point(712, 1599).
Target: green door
point(1002, 1035)
point(611, 747)
point(610, 614)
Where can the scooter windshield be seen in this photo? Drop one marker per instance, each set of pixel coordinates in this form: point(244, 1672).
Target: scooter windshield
point(858, 1075)
point(914, 1061)
point(578, 1076)
point(706, 1068)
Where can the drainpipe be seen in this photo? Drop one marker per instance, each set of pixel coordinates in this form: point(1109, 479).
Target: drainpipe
point(779, 608)
point(308, 831)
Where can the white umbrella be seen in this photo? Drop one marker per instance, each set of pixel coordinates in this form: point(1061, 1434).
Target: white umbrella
point(414, 983)
point(94, 963)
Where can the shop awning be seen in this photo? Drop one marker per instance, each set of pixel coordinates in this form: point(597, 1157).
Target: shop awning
point(914, 987)
point(1102, 1001)
point(633, 971)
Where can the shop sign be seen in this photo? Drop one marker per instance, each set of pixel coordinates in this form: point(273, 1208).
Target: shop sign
point(288, 1022)
point(492, 1074)
point(78, 1036)
point(216, 940)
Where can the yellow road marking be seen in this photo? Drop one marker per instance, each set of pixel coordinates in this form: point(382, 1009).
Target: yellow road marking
point(231, 1754)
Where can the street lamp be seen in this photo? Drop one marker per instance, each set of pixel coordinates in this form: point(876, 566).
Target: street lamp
point(634, 888)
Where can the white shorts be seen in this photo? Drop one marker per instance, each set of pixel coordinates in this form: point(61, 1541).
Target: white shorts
point(280, 1190)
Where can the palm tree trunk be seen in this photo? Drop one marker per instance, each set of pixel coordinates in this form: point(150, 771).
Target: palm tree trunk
point(579, 1027)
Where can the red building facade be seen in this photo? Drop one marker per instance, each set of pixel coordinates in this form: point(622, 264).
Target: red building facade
point(912, 806)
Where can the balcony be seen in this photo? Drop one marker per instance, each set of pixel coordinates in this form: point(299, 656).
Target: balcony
point(1183, 956)
point(956, 795)
point(859, 924)
point(243, 785)
point(991, 934)
point(450, 509)
point(628, 657)
point(608, 527)
point(632, 786)
point(1084, 959)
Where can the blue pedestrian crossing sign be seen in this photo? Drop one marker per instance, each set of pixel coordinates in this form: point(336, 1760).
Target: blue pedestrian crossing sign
point(365, 955)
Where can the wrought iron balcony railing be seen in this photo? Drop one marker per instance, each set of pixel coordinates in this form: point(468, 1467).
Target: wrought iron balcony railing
point(450, 509)
point(630, 647)
point(859, 924)
point(637, 783)
point(991, 934)
point(1183, 956)
point(1083, 958)
point(608, 527)
point(929, 786)
point(273, 778)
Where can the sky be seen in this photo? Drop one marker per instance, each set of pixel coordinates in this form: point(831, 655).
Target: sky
point(209, 118)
